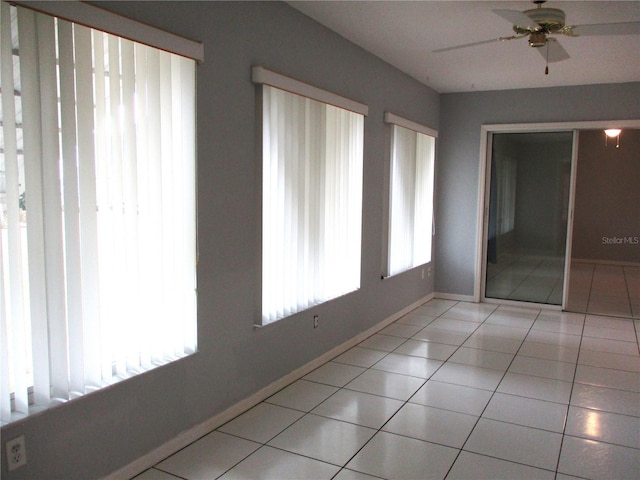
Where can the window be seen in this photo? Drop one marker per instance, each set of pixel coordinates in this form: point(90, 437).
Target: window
point(411, 194)
point(97, 195)
point(312, 155)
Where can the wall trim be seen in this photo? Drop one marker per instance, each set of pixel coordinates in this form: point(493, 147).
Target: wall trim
point(189, 436)
point(605, 262)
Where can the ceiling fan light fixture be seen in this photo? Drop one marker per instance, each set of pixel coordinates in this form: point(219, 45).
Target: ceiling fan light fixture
point(537, 40)
point(612, 133)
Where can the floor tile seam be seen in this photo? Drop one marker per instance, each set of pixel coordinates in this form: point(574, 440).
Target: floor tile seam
point(283, 406)
point(559, 280)
point(201, 437)
point(486, 349)
point(442, 317)
point(407, 374)
point(493, 393)
point(532, 398)
point(440, 343)
point(612, 339)
point(299, 455)
point(591, 439)
point(628, 288)
point(575, 363)
point(602, 410)
point(259, 442)
point(610, 368)
point(599, 352)
point(267, 443)
point(597, 410)
point(479, 366)
point(155, 467)
point(407, 401)
point(442, 409)
point(537, 375)
point(260, 445)
point(607, 386)
point(319, 382)
point(506, 460)
point(545, 358)
point(566, 415)
point(557, 345)
point(420, 356)
point(417, 439)
point(511, 461)
point(522, 425)
point(357, 471)
point(445, 409)
point(348, 421)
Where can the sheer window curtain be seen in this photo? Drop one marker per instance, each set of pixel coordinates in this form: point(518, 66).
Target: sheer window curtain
point(312, 202)
point(411, 198)
point(97, 279)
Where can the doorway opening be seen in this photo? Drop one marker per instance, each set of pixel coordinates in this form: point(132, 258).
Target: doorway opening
point(532, 213)
point(528, 213)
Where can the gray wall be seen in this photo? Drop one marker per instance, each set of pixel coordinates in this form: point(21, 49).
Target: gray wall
point(607, 202)
point(99, 433)
point(462, 116)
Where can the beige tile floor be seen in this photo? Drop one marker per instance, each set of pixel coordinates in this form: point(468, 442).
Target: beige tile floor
point(451, 390)
point(604, 289)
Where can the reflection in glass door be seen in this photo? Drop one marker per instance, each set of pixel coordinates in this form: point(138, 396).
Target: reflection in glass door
point(528, 210)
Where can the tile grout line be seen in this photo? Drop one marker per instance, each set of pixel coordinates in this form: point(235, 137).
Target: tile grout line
point(405, 402)
point(493, 394)
point(573, 382)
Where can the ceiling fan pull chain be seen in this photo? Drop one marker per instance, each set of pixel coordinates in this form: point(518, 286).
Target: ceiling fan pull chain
point(546, 68)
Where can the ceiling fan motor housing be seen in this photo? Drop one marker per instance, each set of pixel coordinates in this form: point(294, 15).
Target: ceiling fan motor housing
point(549, 20)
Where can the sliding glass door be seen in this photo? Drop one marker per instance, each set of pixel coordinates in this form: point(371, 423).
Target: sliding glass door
point(528, 205)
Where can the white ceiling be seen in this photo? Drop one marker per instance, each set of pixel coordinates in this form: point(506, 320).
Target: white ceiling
point(405, 34)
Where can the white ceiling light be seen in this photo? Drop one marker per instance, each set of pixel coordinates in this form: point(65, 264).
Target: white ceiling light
point(612, 133)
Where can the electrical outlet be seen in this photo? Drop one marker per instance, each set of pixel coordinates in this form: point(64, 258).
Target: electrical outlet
point(429, 271)
point(315, 321)
point(422, 273)
point(16, 453)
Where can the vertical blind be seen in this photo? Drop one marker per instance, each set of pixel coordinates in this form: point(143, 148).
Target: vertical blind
point(411, 199)
point(97, 273)
point(312, 202)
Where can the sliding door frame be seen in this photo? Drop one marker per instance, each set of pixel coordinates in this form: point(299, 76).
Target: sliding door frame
point(484, 190)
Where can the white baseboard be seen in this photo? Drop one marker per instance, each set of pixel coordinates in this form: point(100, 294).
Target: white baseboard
point(189, 436)
point(454, 296)
point(605, 262)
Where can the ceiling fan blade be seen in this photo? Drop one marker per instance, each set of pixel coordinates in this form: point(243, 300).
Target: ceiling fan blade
point(624, 28)
point(516, 18)
point(556, 52)
point(475, 44)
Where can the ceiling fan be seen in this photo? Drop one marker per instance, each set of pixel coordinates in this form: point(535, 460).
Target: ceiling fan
point(538, 24)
